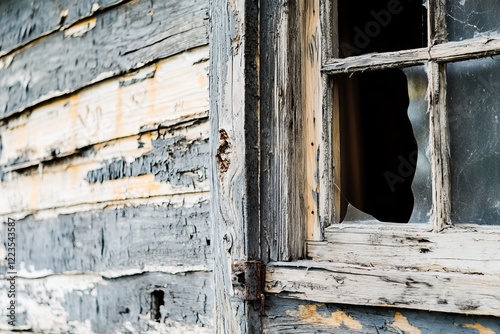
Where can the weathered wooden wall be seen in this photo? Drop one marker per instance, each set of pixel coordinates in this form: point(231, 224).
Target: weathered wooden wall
point(104, 160)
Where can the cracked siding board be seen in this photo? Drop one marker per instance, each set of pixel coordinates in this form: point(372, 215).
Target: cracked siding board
point(163, 94)
point(92, 304)
point(58, 65)
point(433, 291)
point(167, 162)
point(24, 21)
point(295, 316)
point(173, 236)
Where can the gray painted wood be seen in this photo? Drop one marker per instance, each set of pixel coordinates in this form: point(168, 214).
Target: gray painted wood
point(174, 160)
point(282, 179)
point(234, 123)
point(24, 20)
point(122, 39)
point(119, 305)
point(292, 316)
point(111, 241)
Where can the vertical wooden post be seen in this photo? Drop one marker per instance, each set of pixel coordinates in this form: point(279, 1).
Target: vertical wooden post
point(234, 122)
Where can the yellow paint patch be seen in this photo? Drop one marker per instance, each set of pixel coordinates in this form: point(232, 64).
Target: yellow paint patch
point(401, 322)
point(80, 29)
point(480, 328)
point(310, 315)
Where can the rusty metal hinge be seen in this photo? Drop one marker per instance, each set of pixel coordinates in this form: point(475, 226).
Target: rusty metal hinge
point(248, 280)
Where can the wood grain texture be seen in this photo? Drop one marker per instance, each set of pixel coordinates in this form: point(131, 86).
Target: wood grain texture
point(172, 237)
point(295, 316)
point(440, 147)
point(167, 93)
point(411, 249)
point(371, 286)
point(234, 178)
point(158, 163)
point(90, 304)
point(283, 147)
point(62, 64)
point(312, 92)
point(25, 21)
point(441, 53)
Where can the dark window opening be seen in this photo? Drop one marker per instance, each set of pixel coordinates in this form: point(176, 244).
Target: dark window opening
point(378, 149)
point(157, 300)
point(367, 26)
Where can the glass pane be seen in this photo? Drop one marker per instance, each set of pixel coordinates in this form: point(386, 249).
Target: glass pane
point(421, 185)
point(380, 26)
point(474, 103)
point(467, 19)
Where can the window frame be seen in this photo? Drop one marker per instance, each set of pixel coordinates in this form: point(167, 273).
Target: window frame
point(411, 266)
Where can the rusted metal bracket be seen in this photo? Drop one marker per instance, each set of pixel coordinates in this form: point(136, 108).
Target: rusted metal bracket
point(248, 280)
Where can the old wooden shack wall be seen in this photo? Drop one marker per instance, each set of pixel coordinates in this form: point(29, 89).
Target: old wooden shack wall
point(104, 164)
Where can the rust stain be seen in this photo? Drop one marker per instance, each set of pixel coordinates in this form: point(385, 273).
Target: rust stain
point(401, 323)
point(480, 328)
point(309, 314)
point(222, 151)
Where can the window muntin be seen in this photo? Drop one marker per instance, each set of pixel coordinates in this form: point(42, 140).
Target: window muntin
point(434, 59)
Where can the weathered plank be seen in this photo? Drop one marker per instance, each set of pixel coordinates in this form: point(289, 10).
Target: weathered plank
point(100, 48)
point(340, 283)
point(295, 316)
point(312, 92)
point(234, 166)
point(91, 304)
point(171, 237)
point(24, 21)
point(411, 249)
point(441, 53)
point(169, 92)
point(164, 162)
point(283, 212)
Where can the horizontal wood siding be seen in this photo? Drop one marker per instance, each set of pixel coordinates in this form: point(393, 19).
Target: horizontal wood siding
point(104, 154)
point(93, 304)
point(111, 43)
point(296, 316)
point(172, 237)
point(24, 21)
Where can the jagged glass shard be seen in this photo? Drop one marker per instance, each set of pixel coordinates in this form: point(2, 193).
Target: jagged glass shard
point(473, 101)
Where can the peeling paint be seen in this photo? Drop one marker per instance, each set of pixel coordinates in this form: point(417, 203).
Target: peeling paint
point(311, 315)
point(480, 328)
point(64, 12)
point(175, 160)
point(95, 7)
point(81, 28)
point(401, 323)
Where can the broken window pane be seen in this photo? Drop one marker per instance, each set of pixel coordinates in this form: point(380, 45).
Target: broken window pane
point(474, 103)
point(380, 121)
point(381, 26)
point(467, 19)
